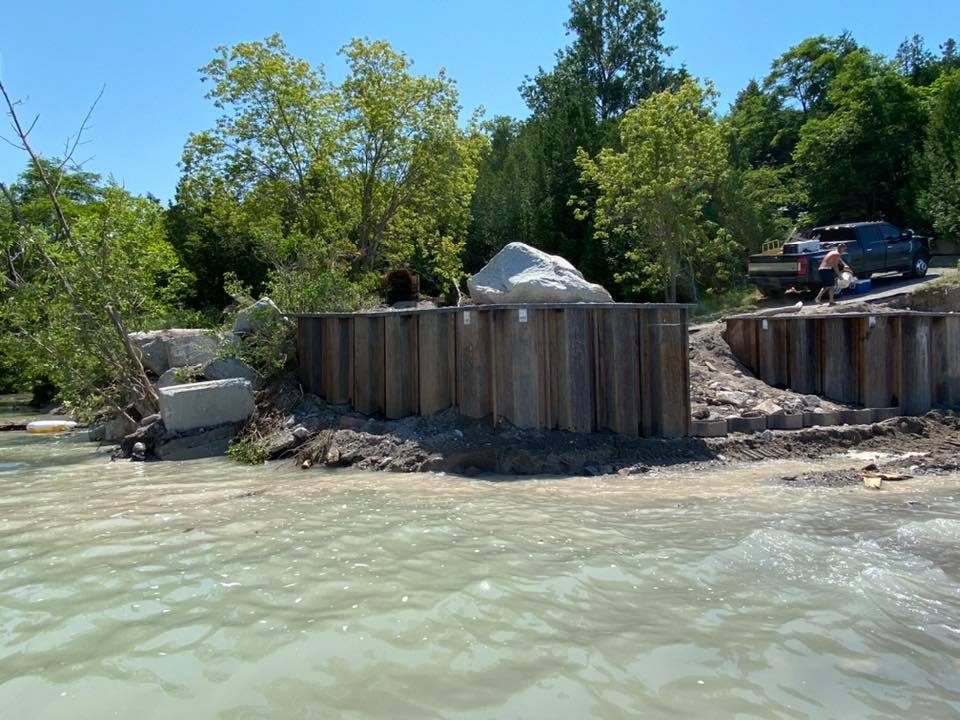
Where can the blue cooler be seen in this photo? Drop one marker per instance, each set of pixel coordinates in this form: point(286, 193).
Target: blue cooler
point(860, 287)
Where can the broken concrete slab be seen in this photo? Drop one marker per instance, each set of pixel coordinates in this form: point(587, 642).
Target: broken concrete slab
point(206, 404)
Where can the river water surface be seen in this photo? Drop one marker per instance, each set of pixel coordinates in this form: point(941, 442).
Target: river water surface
point(210, 590)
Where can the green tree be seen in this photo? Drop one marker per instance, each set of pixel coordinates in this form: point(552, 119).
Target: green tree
point(857, 160)
point(331, 184)
point(804, 72)
point(940, 162)
point(72, 288)
point(652, 194)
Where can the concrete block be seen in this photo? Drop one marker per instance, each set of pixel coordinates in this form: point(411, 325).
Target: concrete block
point(821, 418)
point(881, 414)
point(208, 443)
point(857, 417)
point(708, 428)
point(206, 404)
point(785, 422)
point(747, 425)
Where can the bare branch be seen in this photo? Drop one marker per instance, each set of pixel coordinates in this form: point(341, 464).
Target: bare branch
point(51, 190)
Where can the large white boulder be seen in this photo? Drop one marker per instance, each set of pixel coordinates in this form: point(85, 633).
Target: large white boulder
point(522, 274)
point(164, 349)
point(205, 404)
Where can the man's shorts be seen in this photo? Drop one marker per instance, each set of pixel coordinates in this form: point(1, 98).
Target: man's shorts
point(827, 278)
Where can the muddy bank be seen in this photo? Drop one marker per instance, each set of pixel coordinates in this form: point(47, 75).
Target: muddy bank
point(305, 430)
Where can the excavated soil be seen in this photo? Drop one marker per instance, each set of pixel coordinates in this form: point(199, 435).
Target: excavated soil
point(304, 429)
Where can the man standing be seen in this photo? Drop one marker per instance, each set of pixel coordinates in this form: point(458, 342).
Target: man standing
point(829, 269)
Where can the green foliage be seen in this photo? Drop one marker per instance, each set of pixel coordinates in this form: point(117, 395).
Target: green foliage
point(247, 450)
point(857, 160)
point(325, 185)
point(615, 58)
point(651, 196)
point(54, 307)
point(270, 349)
point(939, 165)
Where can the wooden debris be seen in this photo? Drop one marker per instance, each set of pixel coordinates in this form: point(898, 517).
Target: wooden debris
point(874, 482)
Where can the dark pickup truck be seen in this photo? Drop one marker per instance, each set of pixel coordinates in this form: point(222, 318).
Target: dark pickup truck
point(872, 247)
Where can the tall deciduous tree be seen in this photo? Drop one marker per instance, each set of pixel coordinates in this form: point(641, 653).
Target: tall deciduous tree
point(334, 183)
point(857, 160)
point(940, 162)
point(651, 195)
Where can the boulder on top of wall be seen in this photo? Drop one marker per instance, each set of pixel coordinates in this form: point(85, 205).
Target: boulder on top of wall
point(206, 404)
point(229, 367)
point(522, 274)
point(164, 349)
point(257, 316)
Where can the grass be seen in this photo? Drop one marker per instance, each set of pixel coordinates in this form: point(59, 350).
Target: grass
point(737, 300)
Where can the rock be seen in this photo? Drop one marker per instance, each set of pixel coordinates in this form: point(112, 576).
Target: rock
point(638, 469)
point(256, 317)
point(117, 428)
point(768, 407)
point(700, 414)
point(733, 397)
point(811, 401)
point(767, 436)
point(206, 404)
point(353, 422)
point(97, 433)
point(148, 435)
point(229, 367)
point(164, 349)
point(522, 274)
point(179, 376)
point(210, 442)
point(139, 453)
point(300, 433)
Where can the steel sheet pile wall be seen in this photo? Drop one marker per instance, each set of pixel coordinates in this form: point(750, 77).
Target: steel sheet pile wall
point(623, 368)
point(906, 360)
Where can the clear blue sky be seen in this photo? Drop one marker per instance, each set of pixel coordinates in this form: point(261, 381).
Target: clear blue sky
point(58, 54)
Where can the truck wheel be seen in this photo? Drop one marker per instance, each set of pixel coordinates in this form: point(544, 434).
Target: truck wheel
point(918, 267)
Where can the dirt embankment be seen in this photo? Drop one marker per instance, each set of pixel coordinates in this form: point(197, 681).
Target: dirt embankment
point(306, 430)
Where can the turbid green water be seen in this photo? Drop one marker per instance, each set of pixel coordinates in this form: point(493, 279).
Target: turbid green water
point(208, 590)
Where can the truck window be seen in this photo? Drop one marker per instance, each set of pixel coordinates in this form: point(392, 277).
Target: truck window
point(890, 232)
point(872, 235)
point(836, 234)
